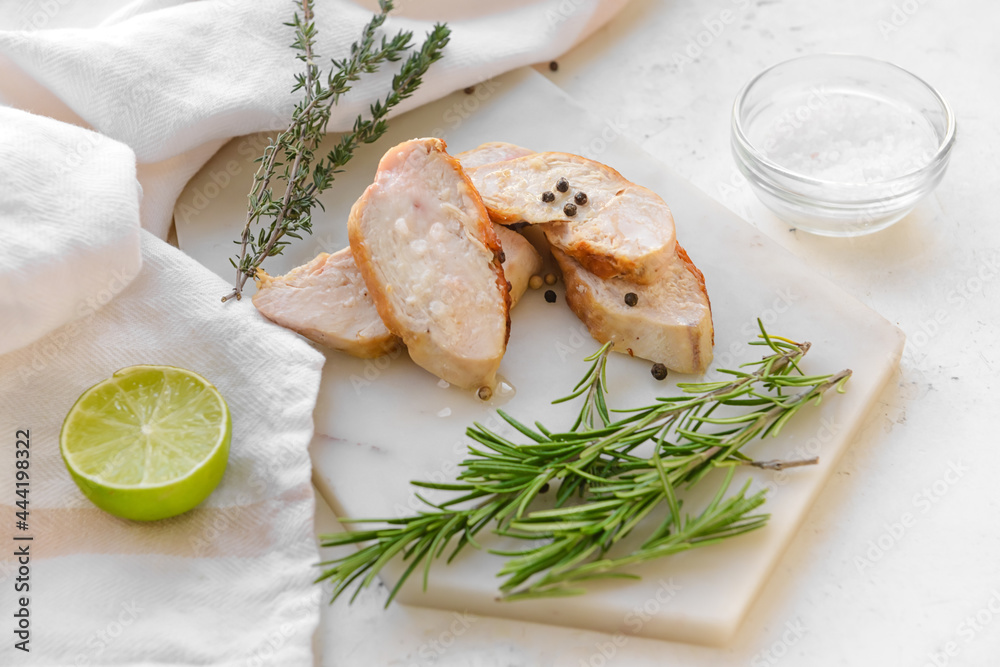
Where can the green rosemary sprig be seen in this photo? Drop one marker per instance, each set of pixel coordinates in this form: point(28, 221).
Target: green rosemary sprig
point(293, 151)
point(606, 489)
point(595, 385)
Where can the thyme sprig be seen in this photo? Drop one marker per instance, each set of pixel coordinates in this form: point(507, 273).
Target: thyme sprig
point(607, 490)
point(291, 157)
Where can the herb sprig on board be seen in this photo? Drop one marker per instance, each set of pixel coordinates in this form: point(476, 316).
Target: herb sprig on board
point(606, 491)
point(290, 157)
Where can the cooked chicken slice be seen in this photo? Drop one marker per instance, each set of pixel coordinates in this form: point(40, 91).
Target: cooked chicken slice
point(493, 151)
point(620, 230)
point(431, 260)
point(670, 323)
point(327, 301)
point(521, 261)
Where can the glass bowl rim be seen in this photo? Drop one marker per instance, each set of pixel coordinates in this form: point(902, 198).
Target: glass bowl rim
point(751, 151)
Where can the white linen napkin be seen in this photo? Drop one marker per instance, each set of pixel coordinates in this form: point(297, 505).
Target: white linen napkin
point(228, 583)
point(167, 77)
point(65, 193)
point(164, 77)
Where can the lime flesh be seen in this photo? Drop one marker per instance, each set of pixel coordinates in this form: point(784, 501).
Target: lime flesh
point(148, 443)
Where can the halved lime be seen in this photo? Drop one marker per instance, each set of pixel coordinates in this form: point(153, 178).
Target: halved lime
point(148, 443)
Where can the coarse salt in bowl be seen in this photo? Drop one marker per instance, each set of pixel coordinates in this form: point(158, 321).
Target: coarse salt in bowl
point(841, 145)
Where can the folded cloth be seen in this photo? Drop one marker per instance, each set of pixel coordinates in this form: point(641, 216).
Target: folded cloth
point(69, 217)
point(168, 76)
point(165, 79)
point(229, 583)
point(171, 80)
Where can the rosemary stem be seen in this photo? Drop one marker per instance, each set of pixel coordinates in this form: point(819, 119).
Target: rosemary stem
point(777, 464)
point(617, 491)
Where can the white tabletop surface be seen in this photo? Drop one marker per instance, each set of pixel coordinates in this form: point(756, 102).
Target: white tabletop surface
point(898, 563)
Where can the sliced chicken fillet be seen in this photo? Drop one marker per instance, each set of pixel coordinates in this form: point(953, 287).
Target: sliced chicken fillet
point(670, 323)
point(431, 260)
point(327, 301)
point(492, 151)
point(623, 230)
point(521, 261)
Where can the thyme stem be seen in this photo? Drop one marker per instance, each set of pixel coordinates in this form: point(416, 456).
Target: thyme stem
point(290, 157)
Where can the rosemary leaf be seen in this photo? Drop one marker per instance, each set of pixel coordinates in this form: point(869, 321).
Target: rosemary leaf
point(605, 491)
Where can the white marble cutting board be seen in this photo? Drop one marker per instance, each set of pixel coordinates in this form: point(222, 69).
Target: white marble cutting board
point(381, 423)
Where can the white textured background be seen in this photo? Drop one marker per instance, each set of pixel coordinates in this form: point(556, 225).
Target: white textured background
point(837, 597)
point(824, 606)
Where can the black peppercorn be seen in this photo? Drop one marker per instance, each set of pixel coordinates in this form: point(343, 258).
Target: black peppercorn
point(550, 296)
point(569, 210)
point(545, 488)
point(581, 198)
point(554, 66)
point(502, 257)
point(631, 299)
point(562, 185)
point(659, 371)
point(470, 90)
point(548, 196)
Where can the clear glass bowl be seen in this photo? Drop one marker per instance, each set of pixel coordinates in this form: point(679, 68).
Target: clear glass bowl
point(841, 145)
